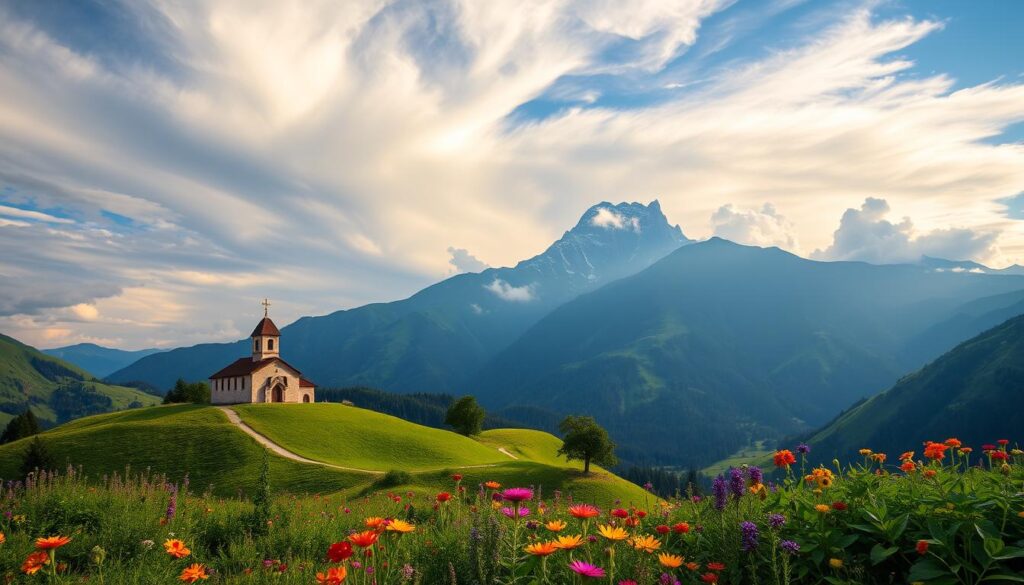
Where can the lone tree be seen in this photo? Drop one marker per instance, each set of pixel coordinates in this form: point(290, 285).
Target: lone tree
point(37, 457)
point(21, 426)
point(585, 440)
point(465, 416)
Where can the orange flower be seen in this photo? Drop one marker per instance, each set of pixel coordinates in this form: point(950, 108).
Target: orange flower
point(716, 566)
point(555, 525)
point(954, 443)
point(542, 549)
point(907, 455)
point(193, 573)
point(3, 538)
point(879, 457)
point(929, 473)
point(784, 458)
point(333, 576)
point(176, 548)
point(374, 522)
point(364, 539)
point(584, 511)
point(823, 508)
point(670, 561)
point(569, 542)
point(966, 450)
point(35, 562)
point(935, 451)
point(400, 526)
point(51, 542)
point(908, 466)
point(492, 485)
point(646, 543)
point(692, 566)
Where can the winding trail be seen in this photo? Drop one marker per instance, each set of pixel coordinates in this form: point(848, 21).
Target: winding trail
point(278, 449)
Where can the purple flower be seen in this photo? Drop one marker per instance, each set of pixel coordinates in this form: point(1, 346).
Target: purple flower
point(172, 504)
point(667, 579)
point(719, 490)
point(776, 520)
point(517, 494)
point(790, 546)
point(755, 474)
point(511, 512)
point(802, 449)
point(749, 532)
point(737, 485)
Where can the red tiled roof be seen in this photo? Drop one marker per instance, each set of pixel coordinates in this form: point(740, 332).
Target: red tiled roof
point(265, 327)
point(304, 383)
point(246, 366)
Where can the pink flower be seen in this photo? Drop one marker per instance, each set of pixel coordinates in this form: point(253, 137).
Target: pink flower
point(517, 494)
point(511, 512)
point(586, 569)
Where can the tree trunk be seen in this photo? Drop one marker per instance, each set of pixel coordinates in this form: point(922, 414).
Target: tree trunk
point(586, 465)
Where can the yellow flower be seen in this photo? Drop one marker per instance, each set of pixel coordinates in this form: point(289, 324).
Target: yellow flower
point(555, 525)
point(835, 563)
point(823, 508)
point(646, 543)
point(569, 542)
point(400, 526)
point(670, 561)
point(865, 452)
point(374, 522)
point(824, 481)
point(613, 532)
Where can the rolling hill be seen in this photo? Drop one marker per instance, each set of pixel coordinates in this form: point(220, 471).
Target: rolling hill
point(201, 441)
point(55, 390)
point(96, 359)
point(436, 339)
point(973, 392)
point(718, 345)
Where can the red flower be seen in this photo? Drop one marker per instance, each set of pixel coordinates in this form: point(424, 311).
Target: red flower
point(709, 578)
point(641, 514)
point(443, 497)
point(339, 551)
point(457, 477)
point(922, 547)
point(784, 458)
point(662, 529)
point(716, 566)
point(620, 513)
point(908, 466)
point(999, 455)
point(681, 528)
point(1003, 442)
point(987, 447)
point(839, 506)
point(935, 451)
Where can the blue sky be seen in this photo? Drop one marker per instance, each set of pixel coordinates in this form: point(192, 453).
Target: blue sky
point(163, 165)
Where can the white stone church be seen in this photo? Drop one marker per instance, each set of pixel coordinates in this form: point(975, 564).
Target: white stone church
point(263, 377)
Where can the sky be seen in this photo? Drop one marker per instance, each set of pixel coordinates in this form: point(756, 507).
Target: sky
point(164, 165)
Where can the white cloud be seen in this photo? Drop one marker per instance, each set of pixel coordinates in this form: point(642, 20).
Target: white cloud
point(865, 234)
point(33, 215)
point(611, 219)
point(462, 261)
point(507, 292)
point(764, 227)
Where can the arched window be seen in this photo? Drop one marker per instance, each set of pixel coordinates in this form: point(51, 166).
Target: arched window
point(270, 344)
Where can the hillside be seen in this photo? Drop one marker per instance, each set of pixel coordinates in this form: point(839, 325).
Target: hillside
point(434, 340)
point(972, 393)
point(719, 345)
point(96, 359)
point(55, 390)
point(201, 442)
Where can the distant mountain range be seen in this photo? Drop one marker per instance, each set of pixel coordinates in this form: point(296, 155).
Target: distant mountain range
point(436, 339)
point(99, 360)
point(685, 351)
point(57, 391)
point(973, 393)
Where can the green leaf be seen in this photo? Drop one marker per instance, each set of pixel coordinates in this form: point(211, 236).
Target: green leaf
point(994, 546)
point(880, 553)
point(846, 540)
point(900, 526)
point(1001, 578)
point(926, 570)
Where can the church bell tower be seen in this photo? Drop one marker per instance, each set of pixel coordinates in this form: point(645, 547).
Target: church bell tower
point(266, 339)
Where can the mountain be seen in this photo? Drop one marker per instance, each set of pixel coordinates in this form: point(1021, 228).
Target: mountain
point(97, 359)
point(56, 390)
point(943, 265)
point(436, 339)
point(972, 393)
point(719, 344)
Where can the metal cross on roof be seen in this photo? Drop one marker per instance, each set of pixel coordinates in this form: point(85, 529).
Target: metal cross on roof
point(266, 306)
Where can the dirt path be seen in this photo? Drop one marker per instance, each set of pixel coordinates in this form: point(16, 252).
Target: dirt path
point(262, 440)
point(504, 451)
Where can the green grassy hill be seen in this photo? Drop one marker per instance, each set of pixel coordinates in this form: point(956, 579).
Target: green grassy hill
point(200, 441)
point(56, 390)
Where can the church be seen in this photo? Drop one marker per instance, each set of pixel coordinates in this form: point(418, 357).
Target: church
point(264, 376)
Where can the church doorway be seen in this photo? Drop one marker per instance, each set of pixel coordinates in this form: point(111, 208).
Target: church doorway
point(305, 397)
point(277, 394)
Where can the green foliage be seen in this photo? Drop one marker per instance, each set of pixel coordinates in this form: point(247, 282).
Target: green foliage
point(24, 425)
point(261, 501)
point(587, 441)
point(465, 416)
point(74, 399)
point(194, 392)
point(37, 457)
point(394, 478)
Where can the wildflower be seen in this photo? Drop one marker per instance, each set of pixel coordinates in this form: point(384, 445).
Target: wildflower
point(907, 455)
point(718, 489)
point(374, 522)
point(3, 538)
point(586, 569)
point(692, 566)
point(776, 520)
point(736, 483)
point(51, 542)
point(555, 525)
point(612, 533)
point(878, 457)
point(492, 485)
point(457, 477)
point(839, 506)
point(662, 529)
point(716, 566)
point(999, 455)
point(584, 511)
point(922, 547)
point(966, 450)
point(929, 473)
point(953, 442)
point(749, 534)
point(400, 526)
point(97, 555)
point(935, 451)
point(709, 578)
point(670, 561)
point(620, 513)
point(759, 489)
point(1003, 442)
point(193, 573)
point(542, 549)
point(176, 548)
point(784, 458)
point(443, 497)
point(681, 528)
point(865, 452)
point(835, 563)
point(364, 539)
point(646, 543)
point(803, 449)
point(333, 576)
point(517, 494)
point(823, 508)
point(569, 542)
point(339, 551)
point(34, 562)
point(755, 475)
point(908, 466)
point(789, 546)
point(512, 512)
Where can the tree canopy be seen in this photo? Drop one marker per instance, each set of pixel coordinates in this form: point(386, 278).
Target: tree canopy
point(24, 425)
point(465, 416)
point(585, 440)
point(198, 392)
